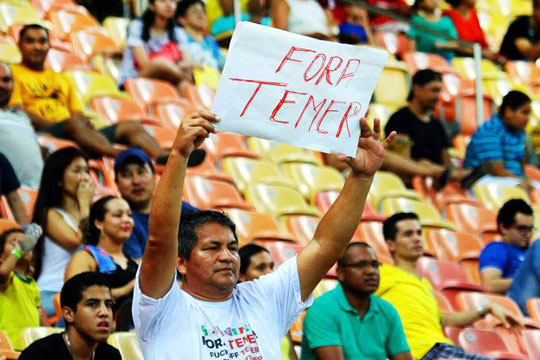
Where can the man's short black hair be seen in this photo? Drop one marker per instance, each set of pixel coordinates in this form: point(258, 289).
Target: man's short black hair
point(507, 213)
point(513, 100)
point(4, 236)
point(184, 5)
point(390, 225)
point(32, 27)
point(342, 261)
point(72, 291)
point(187, 237)
point(422, 77)
point(246, 252)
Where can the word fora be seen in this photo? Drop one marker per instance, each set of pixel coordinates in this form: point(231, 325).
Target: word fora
point(319, 69)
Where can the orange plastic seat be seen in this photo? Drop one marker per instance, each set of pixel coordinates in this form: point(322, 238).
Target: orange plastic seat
point(281, 251)
point(371, 233)
point(325, 199)
point(28, 197)
point(44, 6)
point(87, 43)
point(472, 219)
point(302, 227)
point(444, 304)
point(487, 343)
point(451, 193)
point(164, 136)
point(205, 169)
point(296, 328)
point(531, 341)
point(104, 169)
point(117, 110)
point(453, 246)
point(525, 72)
point(418, 61)
point(465, 114)
point(251, 226)
point(212, 194)
point(454, 84)
point(150, 92)
point(6, 224)
point(396, 44)
point(171, 113)
point(201, 96)
point(60, 61)
point(65, 22)
point(533, 307)
point(52, 144)
point(222, 144)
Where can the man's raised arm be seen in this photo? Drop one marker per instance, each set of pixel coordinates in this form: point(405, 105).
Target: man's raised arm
point(159, 259)
point(340, 222)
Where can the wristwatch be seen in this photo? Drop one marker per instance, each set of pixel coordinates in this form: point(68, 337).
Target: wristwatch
point(481, 310)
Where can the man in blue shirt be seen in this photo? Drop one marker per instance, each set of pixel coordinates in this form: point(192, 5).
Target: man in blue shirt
point(502, 139)
point(500, 260)
point(136, 180)
point(526, 283)
point(350, 322)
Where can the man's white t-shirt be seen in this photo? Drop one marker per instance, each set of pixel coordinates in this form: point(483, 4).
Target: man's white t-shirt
point(248, 326)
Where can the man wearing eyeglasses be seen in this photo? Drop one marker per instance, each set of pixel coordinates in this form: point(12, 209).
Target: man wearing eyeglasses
point(500, 260)
point(350, 322)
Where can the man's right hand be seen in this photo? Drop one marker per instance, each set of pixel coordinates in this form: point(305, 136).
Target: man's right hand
point(193, 130)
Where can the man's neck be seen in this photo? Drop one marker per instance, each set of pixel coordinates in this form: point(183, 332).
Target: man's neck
point(195, 34)
point(218, 297)
point(80, 347)
point(141, 207)
point(418, 110)
point(21, 267)
point(359, 302)
point(34, 66)
point(409, 266)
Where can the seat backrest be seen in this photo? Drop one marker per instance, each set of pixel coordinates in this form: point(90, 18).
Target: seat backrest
point(60, 61)
point(28, 197)
point(371, 233)
point(222, 145)
point(280, 152)
point(252, 226)
point(444, 304)
point(424, 210)
point(172, 113)
point(397, 79)
point(29, 335)
point(127, 344)
point(441, 273)
point(533, 307)
point(416, 60)
point(281, 251)
point(5, 344)
point(481, 341)
point(302, 227)
point(471, 300)
point(209, 193)
point(531, 341)
point(116, 110)
point(312, 179)
point(90, 85)
point(453, 246)
point(246, 171)
point(65, 22)
point(117, 27)
point(148, 92)
point(87, 43)
point(276, 200)
point(470, 218)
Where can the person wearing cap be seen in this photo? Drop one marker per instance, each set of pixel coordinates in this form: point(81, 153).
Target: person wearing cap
point(136, 180)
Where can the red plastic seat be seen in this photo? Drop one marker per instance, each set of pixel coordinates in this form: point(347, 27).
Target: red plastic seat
point(472, 219)
point(371, 233)
point(251, 226)
point(28, 197)
point(487, 343)
point(164, 136)
point(150, 92)
point(201, 96)
point(531, 341)
point(444, 304)
point(213, 194)
point(172, 113)
point(6, 224)
point(302, 227)
point(418, 61)
point(117, 110)
point(52, 144)
point(451, 193)
point(281, 251)
point(453, 246)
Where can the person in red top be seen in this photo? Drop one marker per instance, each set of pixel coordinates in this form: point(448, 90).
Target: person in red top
point(465, 19)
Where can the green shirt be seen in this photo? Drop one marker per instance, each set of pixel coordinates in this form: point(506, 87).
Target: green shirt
point(425, 42)
point(331, 321)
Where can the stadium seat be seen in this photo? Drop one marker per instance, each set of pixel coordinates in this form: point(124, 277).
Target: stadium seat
point(13, 15)
point(302, 227)
point(6, 224)
point(223, 144)
point(381, 112)
point(150, 92)
point(533, 307)
point(60, 61)
point(28, 197)
point(524, 72)
point(416, 60)
point(450, 194)
point(207, 76)
point(104, 169)
point(205, 169)
point(65, 22)
point(281, 251)
point(117, 28)
point(396, 44)
point(87, 44)
point(51, 144)
point(453, 246)
point(278, 200)
point(428, 214)
point(465, 67)
point(9, 53)
point(312, 179)
point(497, 88)
point(444, 304)
point(29, 335)
point(171, 113)
point(247, 171)
point(296, 328)
point(494, 195)
point(531, 341)
point(106, 65)
point(6, 349)
point(388, 185)
point(89, 85)
point(324, 286)
point(44, 6)
point(371, 232)
point(325, 199)
point(164, 136)
point(117, 110)
point(511, 337)
point(487, 343)
point(201, 96)
point(472, 219)
point(455, 85)
point(466, 113)
point(213, 194)
point(280, 152)
point(394, 76)
point(127, 344)
point(252, 226)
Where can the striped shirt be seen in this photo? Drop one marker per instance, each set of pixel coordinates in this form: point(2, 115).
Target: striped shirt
point(493, 141)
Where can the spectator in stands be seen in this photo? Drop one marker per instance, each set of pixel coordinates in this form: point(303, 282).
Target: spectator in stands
point(522, 39)
point(50, 100)
point(155, 47)
point(86, 302)
point(110, 225)
point(501, 140)
point(429, 15)
point(203, 49)
point(413, 297)
point(136, 180)
point(19, 295)
point(211, 303)
point(385, 24)
point(62, 209)
point(256, 261)
point(290, 15)
point(526, 284)
point(356, 29)
point(18, 140)
point(8, 187)
point(350, 322)
point(500, 260)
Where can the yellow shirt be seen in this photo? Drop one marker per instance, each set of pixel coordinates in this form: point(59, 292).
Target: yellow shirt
point(19, 307)
point(45, 93)
point(414, 301)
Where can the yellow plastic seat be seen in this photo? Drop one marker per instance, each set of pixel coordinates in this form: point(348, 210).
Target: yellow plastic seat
point(91, 85)
point(107, 66)
point(246, 171)
point(117, 28)
point(312, 179)
point(127, 344)
point(29, 335)
point(324, 286)
point(428, 214)
point(277, 200)
point(280, 153)
point(9, 53)
point(465, 67)
point(381, 112)
point(493, 196)
point(388, 185)
point(393, 77)
point(11, 15)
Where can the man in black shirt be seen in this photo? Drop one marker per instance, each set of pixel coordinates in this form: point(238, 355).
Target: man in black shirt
point(522, 39)
point(87, 305)
point(8, 187)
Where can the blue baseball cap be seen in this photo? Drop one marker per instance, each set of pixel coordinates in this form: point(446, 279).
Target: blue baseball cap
point(128, 154)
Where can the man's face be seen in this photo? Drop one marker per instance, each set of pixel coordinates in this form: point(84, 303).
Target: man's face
point(521, 231)
point(259, 264)
point(34, 47)
point(94, 315)
point(360, 273)
point(517, 119)
point(409, 244)
point(195, 17)
point(136, 183)
point(6, 84)
point(214, 265)
point(428, 94)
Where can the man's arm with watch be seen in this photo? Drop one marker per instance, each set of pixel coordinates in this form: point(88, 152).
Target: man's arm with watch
point(467, 318)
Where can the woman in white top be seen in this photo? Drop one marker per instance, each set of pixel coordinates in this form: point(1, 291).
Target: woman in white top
point(305, 17)
point(62, 206)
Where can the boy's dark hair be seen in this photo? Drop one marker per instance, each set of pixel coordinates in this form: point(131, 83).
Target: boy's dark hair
point(246, 252)
point(184, 5)
point(513, 100)
point(341, 261)
point(72, 291)
point(4, 236)
point(390, 225)
point(32, 27)
point(130, 161)
point(187, 237)
point(422, 77)
point(507, 213)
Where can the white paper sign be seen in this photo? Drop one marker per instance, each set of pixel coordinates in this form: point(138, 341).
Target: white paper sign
point(291, 88)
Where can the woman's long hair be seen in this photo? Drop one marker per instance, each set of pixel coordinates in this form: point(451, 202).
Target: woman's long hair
point(50, 194)
point(97, 212)
point(149, 17)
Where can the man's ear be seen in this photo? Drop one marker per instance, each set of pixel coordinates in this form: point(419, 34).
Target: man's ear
point(69, 314)
point(340, 273)
point(241, 278)
point(391, 245)
point(181, 266)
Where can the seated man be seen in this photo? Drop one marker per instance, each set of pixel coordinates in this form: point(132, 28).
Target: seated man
point(522, 39)
point(500, 260)
point(50, 100)
point(526, 284)
point(413, 297)
point(86, 302)
point(349, 322)
point(8, 187)
point(501, 140)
